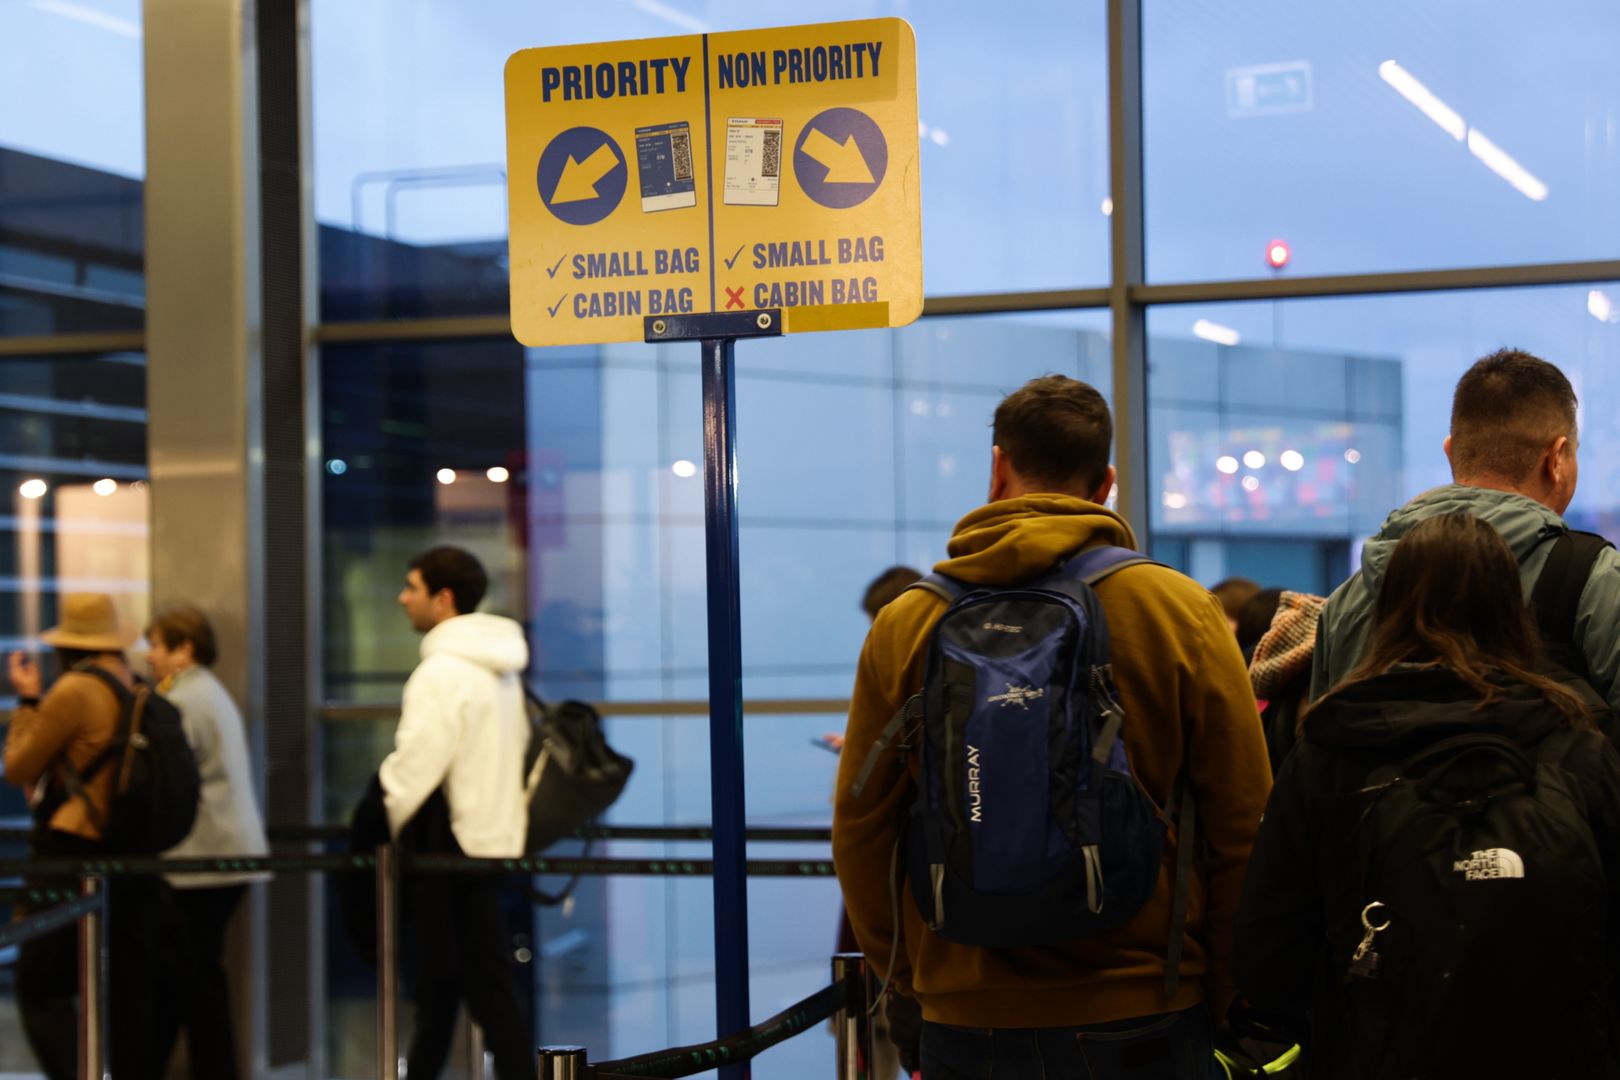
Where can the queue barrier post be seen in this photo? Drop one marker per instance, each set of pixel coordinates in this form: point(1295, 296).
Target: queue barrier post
point(563, 1063)
point(387, 961)
point(854, 1021)
point(92, 982)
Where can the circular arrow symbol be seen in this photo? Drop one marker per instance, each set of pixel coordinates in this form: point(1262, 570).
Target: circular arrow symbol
point(582, 176)
point(840, 158)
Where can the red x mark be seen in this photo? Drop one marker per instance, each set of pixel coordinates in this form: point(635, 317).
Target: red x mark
point(734, 296)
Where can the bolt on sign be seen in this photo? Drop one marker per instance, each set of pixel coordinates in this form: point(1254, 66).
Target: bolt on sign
point(712, 173)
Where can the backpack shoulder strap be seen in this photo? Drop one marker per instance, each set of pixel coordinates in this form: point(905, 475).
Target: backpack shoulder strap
point(1557, 593)
point(946, 588)
point(1094, 564)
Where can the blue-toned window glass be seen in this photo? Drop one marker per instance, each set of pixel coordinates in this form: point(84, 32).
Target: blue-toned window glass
point(72, 159)
point(575, 474)
point(1283, 432)
point(1388, 136)
point(409, 151)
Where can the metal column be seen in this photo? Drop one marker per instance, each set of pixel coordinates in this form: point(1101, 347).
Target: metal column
point(1129, 315)
point(387, 961)
point(853, 1026)
point(92, 984)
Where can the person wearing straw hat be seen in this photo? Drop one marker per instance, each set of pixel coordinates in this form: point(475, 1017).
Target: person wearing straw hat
point(69, 726)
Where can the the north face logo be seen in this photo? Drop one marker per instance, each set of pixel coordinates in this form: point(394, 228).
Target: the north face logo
point(1496, 862)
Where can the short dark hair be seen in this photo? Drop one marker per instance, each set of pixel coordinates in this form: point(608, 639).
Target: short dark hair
point(1233, 593)
point(456, 569)
point(1507, 408)
point(182, 623)
point(886, 587)
point(1057, 433)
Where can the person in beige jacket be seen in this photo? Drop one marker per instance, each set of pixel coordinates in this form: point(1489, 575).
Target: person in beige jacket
point(50, 733)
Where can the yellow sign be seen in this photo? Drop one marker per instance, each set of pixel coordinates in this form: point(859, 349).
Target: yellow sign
point(712, 173)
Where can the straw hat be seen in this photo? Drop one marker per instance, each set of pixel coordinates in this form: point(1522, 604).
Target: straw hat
point(89, 621)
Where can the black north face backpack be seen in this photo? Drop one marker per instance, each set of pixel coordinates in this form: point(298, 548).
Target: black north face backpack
point(1478, 929)
point(156, 787)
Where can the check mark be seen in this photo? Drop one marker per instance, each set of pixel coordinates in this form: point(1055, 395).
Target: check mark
point(731, 261)
point(552, 310)
point(553, 271)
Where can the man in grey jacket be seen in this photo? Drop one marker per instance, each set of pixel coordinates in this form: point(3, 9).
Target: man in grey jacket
point(1512, 450)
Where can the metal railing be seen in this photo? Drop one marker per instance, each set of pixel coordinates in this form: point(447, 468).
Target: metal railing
point(847, 998)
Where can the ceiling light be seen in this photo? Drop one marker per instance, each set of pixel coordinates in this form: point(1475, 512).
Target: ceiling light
point(446, 476)
point(337, 466)
point(1108, 206)
point(1214, 331)
point(1227, 464)
point(684, 469)
point(104, 488)
point(1352, 455)
point(498, 474)
point(1501, 163)
point(1292, 460)
point(33, 489)
point(1254, 459)
point(939, 137)
point(1174, 500)
point(1428, 104)
point(1251, 483)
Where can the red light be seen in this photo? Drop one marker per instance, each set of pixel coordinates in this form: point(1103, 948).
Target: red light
point(1277, 254)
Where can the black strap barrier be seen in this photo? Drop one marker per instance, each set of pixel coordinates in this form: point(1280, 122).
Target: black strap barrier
point(438, 864)
point(734, 1049)
point(308, 834)
point(49, 920)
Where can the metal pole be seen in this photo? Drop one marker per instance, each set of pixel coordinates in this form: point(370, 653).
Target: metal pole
point(563, 1063)
point(854, 1023)
point(725, 694)
point(92, 982)
point(387, 961)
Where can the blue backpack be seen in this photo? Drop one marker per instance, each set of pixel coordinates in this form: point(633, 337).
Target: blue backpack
point(1028, 826)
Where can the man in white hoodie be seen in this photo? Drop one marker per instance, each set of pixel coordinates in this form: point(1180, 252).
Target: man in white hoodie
point(462, 731)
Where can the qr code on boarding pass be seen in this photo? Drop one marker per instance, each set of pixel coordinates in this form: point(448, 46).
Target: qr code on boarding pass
point(771, 157)
point(680, 146)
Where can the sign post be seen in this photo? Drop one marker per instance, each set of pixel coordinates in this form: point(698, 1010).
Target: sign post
point(708, 188)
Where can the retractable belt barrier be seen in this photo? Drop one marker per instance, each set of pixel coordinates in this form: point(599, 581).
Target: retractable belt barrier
point(409, 863)
point(53, 918)
point(847, 998)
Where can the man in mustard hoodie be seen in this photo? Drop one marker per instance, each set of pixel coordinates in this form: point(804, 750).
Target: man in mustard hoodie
point(1094, 1007)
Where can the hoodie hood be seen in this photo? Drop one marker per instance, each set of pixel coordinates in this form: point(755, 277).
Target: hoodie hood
point(1014, 540)
point(1417, 705)
point(1523, 523)
point(490, 641)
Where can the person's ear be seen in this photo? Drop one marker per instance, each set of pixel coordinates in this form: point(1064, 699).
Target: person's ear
point(1106, 488)
point(1000, 474)
point(1445, 445)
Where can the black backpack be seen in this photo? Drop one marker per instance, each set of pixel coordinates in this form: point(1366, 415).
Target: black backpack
point(1474, 941)
point(571, 775)
point(1555, 599)
point(156, 788)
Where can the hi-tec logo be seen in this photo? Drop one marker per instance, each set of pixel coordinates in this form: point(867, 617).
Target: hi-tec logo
point(1496, 862)
point(1016, 695)
point(975, 799)
point(1003, 628)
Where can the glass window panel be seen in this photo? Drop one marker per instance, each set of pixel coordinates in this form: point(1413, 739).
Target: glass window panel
point(73, 518)
point(410, 147)
point(72, 160)
point(1344, 404)
point(1411, 136)
point(597, 535)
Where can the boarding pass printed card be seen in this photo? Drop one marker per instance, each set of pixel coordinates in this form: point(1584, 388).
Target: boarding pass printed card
point(664, 156)
point(753, 161)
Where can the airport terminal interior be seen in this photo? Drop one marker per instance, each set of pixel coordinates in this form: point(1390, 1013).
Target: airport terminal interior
point(255, 353)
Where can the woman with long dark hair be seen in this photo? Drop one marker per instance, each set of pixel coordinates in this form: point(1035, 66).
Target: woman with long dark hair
point(1430, 892)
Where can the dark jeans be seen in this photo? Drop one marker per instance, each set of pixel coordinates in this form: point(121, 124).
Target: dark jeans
point(465, 956)
point(202, 1000)
point(138, 968)
point(1170, 1046)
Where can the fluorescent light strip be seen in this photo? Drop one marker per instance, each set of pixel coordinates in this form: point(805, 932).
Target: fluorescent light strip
point(1214, 331)
point(90, 17)
point(1493, 157)
point(673, 15)
point(1428, 104)
point(1501, 163)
